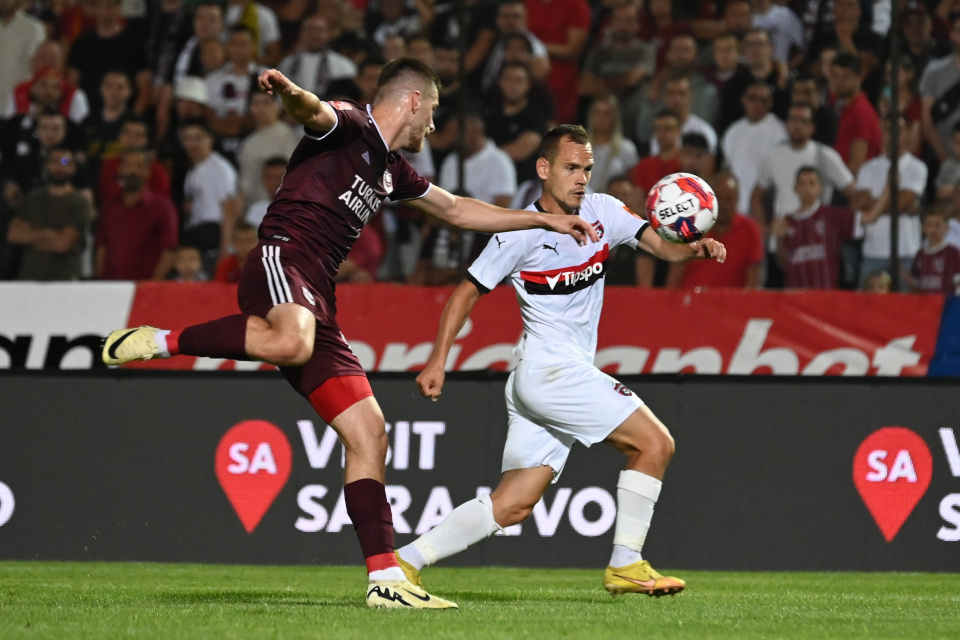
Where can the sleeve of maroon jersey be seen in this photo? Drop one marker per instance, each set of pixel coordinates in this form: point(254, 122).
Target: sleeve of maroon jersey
point(407, 183)
point(350, 122)
point(844, 221)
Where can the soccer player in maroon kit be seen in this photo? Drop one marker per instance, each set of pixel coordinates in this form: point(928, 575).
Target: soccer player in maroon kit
point(344, 167)
point(809, 240)
point(936, 269)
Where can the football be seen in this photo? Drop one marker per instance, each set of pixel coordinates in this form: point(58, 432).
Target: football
point(681, 208)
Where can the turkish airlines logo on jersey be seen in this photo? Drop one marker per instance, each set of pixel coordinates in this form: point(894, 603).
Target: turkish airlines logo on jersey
point(892, 470)
point(566, 280)
point(342, 106)
point(253, 463)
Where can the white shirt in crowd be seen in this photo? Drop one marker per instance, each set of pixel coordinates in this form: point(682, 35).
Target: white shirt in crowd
point(745, 145)
point(778, 171)
point(227, 91)
point(207, 186)
point(785, 29)
point(18, 42)
point(77, 113)
point(953, 233)
point(608, 165)
point(488, 173)
point(266, 18)
point(279, 139)
point(876, 235)
point(693, 124)
point(315, 71)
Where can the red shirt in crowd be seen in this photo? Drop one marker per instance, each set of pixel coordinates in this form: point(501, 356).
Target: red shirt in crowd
point(858, 121)
point(551, 22)
point(744, 250)
point(134, 237)
point(813, 247)
point(649, 170)
point(228, 269)
point(109, 187)
point(937, 269)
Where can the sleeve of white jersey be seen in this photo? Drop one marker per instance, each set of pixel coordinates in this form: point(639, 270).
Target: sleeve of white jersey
point(503, 256)
point(621, 225)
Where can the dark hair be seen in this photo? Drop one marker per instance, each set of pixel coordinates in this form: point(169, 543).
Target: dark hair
point(370, 61)
point(620, 177)
point(696, 141)
point(518, 36)
point(400, 69)
point(759, 83)
point(515, 65)
point(137, 120)
point(242, 28)
point(956, 127)
point(809, 168)
point(200, 123)
point(847, 60)
point(761, 30)
point(552, 138)
point(275, 161)
point(667, 113)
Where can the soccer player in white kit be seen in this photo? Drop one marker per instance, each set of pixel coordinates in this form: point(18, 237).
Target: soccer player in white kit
point(556, 396)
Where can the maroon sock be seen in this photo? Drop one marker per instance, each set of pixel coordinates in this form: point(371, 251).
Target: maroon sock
point(222, 338)
point(369, 510)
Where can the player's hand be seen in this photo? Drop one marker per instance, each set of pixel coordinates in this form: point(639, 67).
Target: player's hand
point(580, 229)
point(709, 248)
point(430, 381)
point(272, 82)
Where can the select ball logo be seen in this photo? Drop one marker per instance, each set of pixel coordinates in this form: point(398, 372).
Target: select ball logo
point(253, 463)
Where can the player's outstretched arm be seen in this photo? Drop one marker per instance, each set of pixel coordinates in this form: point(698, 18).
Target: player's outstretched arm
point(303, 106)
point(474, 215)
point(705, 248)
point(455, 314)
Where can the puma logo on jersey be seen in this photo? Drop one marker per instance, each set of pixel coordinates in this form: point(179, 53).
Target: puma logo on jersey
point(499, 241)
point(553, 248)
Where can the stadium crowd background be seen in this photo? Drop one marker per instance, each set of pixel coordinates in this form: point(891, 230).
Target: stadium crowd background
point(135, 145)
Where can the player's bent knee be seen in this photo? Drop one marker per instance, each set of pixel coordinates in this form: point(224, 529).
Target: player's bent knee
point(290, 350)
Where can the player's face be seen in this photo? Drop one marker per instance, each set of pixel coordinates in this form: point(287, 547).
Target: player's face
point(566, 178)
point(422, 124)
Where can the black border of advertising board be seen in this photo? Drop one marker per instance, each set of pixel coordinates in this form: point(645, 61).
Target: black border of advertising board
point(770, 473)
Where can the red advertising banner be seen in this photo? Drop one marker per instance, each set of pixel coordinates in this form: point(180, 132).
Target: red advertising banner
point(392, 328)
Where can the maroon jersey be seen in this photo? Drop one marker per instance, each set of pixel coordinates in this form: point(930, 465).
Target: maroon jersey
point(334, 183)
point(813, 247)
point(937, 269)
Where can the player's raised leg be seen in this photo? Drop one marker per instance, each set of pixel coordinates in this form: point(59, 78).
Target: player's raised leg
point(649, 447)
point(510, 503)
point(361, 429)
point(284, 338)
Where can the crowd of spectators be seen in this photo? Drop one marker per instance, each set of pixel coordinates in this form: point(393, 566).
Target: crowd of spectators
point(134, 143)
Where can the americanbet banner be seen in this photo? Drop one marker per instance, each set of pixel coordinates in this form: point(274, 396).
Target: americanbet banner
point(392, 328)
point(770, 474)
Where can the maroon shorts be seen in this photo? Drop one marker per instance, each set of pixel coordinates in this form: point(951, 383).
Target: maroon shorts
point(275, 273)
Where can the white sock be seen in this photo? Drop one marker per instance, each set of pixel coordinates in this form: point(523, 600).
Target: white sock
point(637, 493)
point(160, 337)
point(390, 573)
point(469, 523)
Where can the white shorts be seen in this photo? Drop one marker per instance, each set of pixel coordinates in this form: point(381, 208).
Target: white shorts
point(550, 406)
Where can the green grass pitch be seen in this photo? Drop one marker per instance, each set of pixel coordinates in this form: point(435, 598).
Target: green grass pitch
point(104, 601)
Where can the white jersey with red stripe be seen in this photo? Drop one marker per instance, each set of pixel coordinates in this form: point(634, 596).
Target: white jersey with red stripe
point(559, 283)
